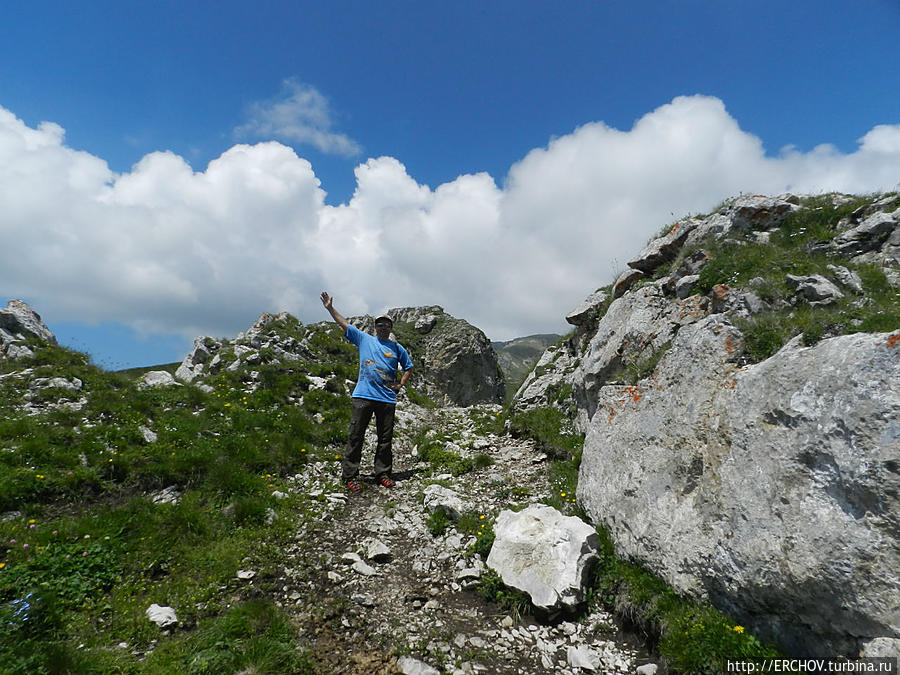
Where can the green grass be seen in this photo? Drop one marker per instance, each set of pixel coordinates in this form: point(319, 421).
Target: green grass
point(84, 551)
point(692, 636)
point(516, 603)
point(432, 448)
point(797, 248)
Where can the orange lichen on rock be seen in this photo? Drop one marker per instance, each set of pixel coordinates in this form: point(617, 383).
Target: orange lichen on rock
point(633, 393)
point(720, 291)
point(730, 346)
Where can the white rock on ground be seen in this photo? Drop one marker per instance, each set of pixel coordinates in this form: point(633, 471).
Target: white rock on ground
point(542, 552)
point(161, 616)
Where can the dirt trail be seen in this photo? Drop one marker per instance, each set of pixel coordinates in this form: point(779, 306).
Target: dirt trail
point(362, 611)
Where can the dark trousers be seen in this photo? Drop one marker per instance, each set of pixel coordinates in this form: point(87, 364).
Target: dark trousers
point(363, 409)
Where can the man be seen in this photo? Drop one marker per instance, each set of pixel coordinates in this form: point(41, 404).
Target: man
point(375, 393)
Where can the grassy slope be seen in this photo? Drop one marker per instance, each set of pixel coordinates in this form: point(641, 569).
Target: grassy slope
point(83, 549)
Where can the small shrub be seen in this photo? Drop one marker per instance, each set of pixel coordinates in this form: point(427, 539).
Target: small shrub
point(492, 589)
point(438, 522)
point(548, 427)
point(479, 526)
point(420, 399)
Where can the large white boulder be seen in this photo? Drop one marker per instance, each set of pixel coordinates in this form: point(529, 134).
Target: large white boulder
point(545, 554)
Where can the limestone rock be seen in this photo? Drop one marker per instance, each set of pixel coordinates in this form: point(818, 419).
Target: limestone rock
point(161, 616)
point(377, 551)
point(157, 378)
point(148, 434)
point(586, 309)
point(772, 489)
point(19, 322)
point(745, 214)
point(633, 329)
point(816, 289)
point(410, 666)
point(582, 657)
point(869, 235)
point(454, 363)
point(169, 495)
point(193, 364)
point(73, 384)
point(882, 647)
point(684, 285)
point(551, 375)
point(425, 324)
point(545, 554)
point(625, 281)
point(846, 277)
point(439, 498)
point(663, 249)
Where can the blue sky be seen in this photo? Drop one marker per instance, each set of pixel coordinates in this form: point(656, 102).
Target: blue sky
point(175, 169)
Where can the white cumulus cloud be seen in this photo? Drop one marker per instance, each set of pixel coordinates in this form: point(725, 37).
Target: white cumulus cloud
point(299, 114)
point(168, 249)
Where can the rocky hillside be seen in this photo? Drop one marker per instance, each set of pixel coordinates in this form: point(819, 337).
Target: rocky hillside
point(158, 526)
point(454, 361)
point(739, 388)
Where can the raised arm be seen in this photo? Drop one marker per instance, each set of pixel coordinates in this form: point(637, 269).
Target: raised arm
point(328, 301)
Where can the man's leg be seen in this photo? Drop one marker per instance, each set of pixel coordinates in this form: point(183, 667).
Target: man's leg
point(384, 454)
point(359, 420)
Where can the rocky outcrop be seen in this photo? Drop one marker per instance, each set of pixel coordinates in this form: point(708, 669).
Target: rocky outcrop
point(455, 363)
point(157, 378)
point(270, 337)
point(768, 486)
point(19, 323)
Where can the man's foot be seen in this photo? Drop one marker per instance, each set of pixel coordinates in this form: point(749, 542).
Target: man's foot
point(387, 481)
point(354, 485)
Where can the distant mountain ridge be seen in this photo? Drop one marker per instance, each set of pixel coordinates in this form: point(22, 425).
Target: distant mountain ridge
point(518, 356)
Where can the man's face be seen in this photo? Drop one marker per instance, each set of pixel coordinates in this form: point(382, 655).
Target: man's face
point(383, 329)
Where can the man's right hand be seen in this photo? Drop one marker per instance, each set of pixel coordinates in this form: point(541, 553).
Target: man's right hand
point(328, 301)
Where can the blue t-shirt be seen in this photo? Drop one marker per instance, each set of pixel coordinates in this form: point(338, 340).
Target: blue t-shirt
point(378, 360)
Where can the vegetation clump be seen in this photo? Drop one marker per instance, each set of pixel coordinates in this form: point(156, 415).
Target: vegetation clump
point(800, 246)
point(692, 636)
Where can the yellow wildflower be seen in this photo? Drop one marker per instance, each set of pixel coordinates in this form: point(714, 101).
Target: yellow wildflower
point(738, 629)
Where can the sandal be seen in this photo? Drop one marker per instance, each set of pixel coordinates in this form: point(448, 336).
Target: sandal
point(387, 481)
point(354, 485)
